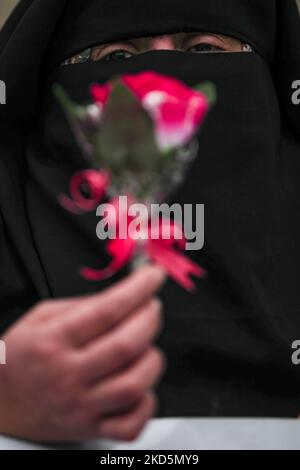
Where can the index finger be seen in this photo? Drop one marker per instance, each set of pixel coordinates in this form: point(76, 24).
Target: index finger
point(97, 313)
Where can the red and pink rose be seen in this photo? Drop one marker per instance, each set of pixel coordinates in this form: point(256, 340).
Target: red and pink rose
point(176, 109)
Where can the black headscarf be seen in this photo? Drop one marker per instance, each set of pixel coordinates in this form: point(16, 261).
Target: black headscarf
point(229, 344)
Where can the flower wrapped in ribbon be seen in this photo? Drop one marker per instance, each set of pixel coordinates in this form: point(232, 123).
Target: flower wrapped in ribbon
point(138, 137)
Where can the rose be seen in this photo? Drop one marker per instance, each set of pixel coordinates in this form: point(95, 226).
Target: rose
point(140, 129)
point(139, 136)
point(176, 109)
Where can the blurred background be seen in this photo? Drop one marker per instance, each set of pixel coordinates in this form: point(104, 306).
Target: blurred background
point(7, 5)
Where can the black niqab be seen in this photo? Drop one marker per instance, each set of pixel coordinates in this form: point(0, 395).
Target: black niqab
point(229, 344)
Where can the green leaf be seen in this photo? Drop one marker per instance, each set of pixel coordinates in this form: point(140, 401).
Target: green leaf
point(126, 143)
point(209, 90)
point(72, 109)
point(78, 119)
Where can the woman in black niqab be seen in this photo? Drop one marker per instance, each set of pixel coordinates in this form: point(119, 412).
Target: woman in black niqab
point(229, 344)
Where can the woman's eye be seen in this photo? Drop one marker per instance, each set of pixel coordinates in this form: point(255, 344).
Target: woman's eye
point(205, 47)
point(117, 55)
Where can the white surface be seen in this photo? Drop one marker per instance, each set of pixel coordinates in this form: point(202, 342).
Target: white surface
point(197, 434)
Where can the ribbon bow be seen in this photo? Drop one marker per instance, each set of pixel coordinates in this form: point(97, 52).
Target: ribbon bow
point(87, 189)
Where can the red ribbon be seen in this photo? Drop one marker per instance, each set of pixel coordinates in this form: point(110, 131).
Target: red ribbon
point(94, 182)
point(165, 251)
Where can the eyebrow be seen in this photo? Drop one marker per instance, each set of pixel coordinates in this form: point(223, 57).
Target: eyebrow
point(187, 36)
point(126, 41)
point(207, 33)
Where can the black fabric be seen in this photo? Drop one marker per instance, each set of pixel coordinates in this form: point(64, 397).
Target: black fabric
point(229, 344)
point(83, 25)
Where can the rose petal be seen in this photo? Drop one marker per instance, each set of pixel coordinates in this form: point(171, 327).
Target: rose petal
point(176, 109)
point(100, 93)
point(145, 82)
